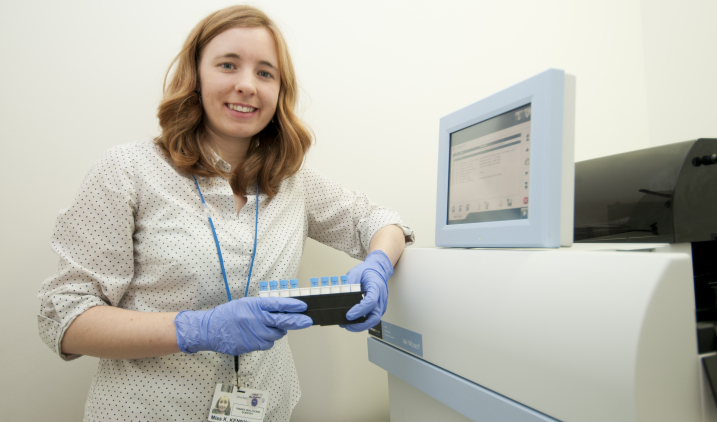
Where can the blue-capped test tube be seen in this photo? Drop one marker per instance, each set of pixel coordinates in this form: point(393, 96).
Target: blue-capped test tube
point(335, 288)
point(315, 288)
point(355, 287)
point(263, 289)
point(294, 287)
point(345, 286)
point(325, 286)
point(284, 285)
point(273, 289)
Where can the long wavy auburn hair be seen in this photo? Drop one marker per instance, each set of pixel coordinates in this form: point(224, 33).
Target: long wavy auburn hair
point(274, 154)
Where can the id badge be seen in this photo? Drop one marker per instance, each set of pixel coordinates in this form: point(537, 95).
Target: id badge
point(233, 405)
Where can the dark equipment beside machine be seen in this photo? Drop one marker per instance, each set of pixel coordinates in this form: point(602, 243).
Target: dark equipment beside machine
point(665, 194)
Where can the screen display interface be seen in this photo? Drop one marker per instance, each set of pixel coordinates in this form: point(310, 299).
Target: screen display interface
point(490, 169)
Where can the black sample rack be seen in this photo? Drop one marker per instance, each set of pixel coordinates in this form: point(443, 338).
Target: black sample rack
point(330, 309)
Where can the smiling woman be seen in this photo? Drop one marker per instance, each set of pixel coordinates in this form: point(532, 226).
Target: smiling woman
point(239, 88)
point(234, 57)
point(162, 250)
point(223, 406)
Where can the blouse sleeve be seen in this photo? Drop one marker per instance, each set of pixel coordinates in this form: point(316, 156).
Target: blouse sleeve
point(93, 238)
point(343, 219)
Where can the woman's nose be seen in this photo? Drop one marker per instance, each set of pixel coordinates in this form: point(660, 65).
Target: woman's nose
point(245, 83)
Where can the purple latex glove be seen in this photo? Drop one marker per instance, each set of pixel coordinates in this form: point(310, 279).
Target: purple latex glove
point(240, 326)
point(373, 274)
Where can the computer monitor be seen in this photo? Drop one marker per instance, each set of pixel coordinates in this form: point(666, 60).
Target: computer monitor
point(506, 167)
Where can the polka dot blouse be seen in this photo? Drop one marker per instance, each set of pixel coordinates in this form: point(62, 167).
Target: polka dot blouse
point(136, 237)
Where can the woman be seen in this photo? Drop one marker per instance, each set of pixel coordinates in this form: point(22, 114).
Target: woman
point(223, 406)
point(146, 279)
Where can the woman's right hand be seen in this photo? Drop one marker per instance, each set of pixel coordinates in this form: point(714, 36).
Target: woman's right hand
point(240, 326)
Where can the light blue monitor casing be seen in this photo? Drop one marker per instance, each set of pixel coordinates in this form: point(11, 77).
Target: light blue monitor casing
point(547, 101)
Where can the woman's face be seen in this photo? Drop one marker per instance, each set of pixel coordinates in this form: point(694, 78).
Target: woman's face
point(239, 83)
point(222, 404)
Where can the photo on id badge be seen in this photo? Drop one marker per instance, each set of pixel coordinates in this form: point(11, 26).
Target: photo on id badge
point(232, 405)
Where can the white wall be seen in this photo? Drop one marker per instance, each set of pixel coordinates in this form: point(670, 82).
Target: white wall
point(78, 77)
point(680, 68)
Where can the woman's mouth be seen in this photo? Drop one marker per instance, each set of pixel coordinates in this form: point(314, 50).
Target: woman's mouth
point(241, 109)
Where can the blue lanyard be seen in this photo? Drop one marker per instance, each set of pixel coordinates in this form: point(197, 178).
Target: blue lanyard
point(216, 239)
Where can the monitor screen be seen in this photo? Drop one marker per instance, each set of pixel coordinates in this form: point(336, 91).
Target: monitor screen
point(489, 169)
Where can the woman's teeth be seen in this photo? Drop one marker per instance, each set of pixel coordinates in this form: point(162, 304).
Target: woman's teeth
point(241, 108)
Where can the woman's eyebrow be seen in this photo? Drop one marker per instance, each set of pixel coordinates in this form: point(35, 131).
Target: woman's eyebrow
point(236, 56)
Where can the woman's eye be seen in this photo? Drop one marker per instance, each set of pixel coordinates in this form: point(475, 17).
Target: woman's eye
point(227, 66)
point(265, 74)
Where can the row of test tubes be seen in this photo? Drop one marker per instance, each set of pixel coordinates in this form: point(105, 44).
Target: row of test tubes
point(290, 288)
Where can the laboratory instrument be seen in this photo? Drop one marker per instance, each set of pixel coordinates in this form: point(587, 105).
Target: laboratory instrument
point(506, 167)
point(620, 326)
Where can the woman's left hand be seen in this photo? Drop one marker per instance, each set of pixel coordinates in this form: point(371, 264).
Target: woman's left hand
point(373, 275)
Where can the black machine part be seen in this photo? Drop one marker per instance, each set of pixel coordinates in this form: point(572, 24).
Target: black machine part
point(665, 194)
point(704, 270)
point(710, 365)
point(707, 343)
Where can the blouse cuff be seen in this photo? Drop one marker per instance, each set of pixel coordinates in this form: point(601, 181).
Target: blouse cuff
point(52, 332)
point(408, 234)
